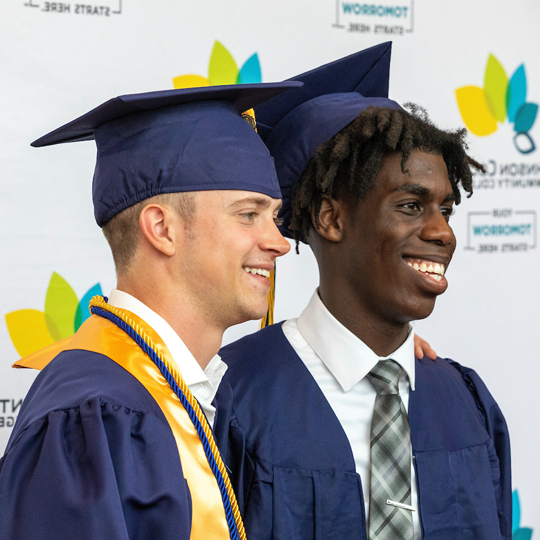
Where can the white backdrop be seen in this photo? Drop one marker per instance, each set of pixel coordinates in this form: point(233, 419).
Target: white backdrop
point(59, 59)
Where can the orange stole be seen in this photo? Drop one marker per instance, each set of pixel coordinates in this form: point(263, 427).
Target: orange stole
point(104, 337)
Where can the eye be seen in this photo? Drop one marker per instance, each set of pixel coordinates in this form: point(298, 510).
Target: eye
point(447, 212)
point(250, 216)
point(411, 206)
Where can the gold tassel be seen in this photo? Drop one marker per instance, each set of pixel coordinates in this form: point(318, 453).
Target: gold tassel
point(268, 319)
point(249, 117)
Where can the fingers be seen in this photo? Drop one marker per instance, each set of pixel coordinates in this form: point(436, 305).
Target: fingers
point(423, 348)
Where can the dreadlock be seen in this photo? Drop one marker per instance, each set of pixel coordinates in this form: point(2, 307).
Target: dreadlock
point(353, 158)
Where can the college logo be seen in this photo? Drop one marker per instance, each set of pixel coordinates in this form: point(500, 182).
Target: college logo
point(223, 69)
point(518, 533)
point(31, 329)
point(386, 17)
point(500, 98)
point(502, 230)
point(104, 9)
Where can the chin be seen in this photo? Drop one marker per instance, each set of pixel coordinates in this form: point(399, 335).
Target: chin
point(422, 310)
point(250, 313)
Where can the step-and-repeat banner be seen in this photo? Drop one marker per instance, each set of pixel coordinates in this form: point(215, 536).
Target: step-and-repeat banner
point(471, 63)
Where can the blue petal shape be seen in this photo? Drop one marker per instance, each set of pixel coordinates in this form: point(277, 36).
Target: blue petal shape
point(82, 309)
point(516, 511)
point(525, 117)
point(522, 534)
point(250, 72)
point(516, 93)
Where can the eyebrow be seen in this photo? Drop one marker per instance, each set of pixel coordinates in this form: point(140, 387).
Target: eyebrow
point(259, 201)
point(421, 191)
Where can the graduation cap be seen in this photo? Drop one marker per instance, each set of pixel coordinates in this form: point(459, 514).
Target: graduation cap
point(293, 125)
point(192, 139)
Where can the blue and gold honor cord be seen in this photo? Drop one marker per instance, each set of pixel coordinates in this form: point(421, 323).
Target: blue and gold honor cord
point(98, 306)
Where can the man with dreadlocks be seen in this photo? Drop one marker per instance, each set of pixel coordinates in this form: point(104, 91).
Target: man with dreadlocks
point(336, 431)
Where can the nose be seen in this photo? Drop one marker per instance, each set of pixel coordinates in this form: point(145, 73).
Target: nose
point(275, 242)
point(438, 230)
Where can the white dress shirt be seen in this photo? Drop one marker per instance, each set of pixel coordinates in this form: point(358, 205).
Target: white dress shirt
point(203, 384)
point(339, 363)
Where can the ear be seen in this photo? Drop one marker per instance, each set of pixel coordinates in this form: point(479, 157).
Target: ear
point(157, 224)
point(330, 219)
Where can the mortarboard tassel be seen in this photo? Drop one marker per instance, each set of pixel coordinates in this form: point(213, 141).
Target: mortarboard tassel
point(268, 319)
point(249, 117)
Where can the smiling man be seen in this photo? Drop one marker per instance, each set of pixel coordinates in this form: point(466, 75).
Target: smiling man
point(114, 439)
point(346, 435)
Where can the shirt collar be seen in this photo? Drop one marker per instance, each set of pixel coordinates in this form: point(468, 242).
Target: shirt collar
point(191, 371)
point(347, 357)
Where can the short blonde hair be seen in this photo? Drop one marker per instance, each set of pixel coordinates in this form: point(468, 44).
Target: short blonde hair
point(122, 231)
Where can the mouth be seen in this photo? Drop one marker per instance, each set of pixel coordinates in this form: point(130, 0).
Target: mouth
point(431, 269)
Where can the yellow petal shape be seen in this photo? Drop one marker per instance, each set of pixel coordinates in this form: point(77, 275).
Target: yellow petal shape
point(474, 111)
point(495, 86)
point(60, 306)
point(189, 81)
point(28, 330)
point(222, 68)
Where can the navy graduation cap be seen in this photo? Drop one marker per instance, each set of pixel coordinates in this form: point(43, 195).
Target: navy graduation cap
point(192, 139)
point(294, 124)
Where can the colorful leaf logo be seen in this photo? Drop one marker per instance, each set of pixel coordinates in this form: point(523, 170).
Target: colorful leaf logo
point(31, 329)
point(223, 70)
point(518, 533)
point(500, 98)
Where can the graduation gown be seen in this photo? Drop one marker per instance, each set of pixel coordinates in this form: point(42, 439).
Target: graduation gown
point(93, 456)
point(293, 468)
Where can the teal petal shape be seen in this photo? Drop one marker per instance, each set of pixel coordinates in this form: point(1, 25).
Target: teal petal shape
point(82, 309)
point(516, 93)
point(250, 72)
point(525, 117)
point(516, 511)
point(522, 534)
point(524, 143)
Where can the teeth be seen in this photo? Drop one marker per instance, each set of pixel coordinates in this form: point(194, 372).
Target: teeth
point(257, 271)
point(435, 269)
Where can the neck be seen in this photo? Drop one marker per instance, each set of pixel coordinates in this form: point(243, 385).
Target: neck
point(383, 337)
point(201, 337)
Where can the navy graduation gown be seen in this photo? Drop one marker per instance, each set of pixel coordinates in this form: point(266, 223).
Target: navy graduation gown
point(293, 468)
point(91, 457)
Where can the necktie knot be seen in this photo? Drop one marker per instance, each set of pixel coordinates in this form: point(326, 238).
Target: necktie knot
point(385, 377)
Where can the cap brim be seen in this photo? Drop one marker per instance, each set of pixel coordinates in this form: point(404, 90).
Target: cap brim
point(366, 72)
point(242, 96)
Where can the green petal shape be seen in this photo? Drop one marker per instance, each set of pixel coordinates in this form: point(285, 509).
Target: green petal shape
point(222, 68)
point(83, 310)
point(525, 117)
point(516, 94)
point(474, 111)
point(522, 534)
point(250, 72)
point(60, 306)
point(29, 330)
point(495, 85)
